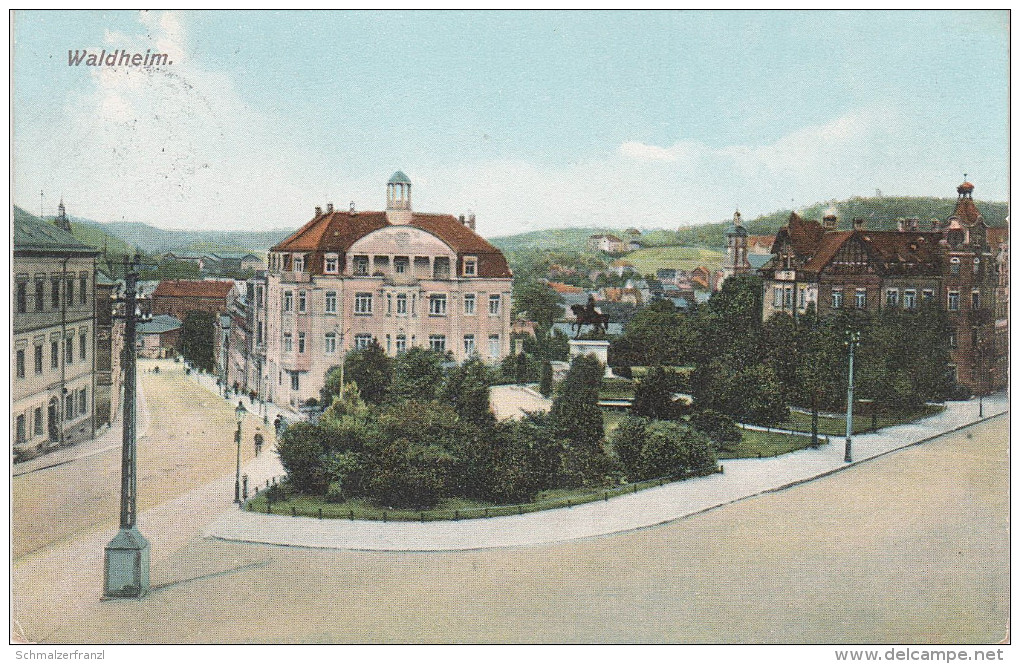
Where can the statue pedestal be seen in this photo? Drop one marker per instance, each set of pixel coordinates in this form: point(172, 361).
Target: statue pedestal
point(600, 349)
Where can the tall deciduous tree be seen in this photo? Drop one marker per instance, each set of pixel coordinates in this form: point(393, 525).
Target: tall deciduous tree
point(198, 339)
point(537, 301)
point(417, 374)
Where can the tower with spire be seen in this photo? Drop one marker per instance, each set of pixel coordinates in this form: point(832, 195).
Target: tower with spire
point(62, 221)
point(736, 250)
point(398, 199)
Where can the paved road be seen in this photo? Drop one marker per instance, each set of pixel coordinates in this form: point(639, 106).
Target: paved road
point(908, 548)
point(742, 478)
point(516, 401)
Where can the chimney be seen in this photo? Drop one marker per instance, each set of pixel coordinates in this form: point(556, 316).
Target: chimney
point(471, 221)
point(901, 224)
point(858, 224)
point(329, 208)
point(318, 211)
point(462, 222)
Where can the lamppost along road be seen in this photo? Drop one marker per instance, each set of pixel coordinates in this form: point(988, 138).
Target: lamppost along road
point(239, 416)
point(853, 339)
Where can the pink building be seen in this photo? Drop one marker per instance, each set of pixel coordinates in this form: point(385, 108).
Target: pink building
point(398, 277)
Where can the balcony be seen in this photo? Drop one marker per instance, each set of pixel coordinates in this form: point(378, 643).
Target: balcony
point(296, 277)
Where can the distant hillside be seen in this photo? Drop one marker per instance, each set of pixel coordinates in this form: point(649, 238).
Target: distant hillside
point(562, 239)
point(160, 240)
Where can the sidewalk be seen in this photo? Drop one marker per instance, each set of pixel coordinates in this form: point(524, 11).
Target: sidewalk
point(742, 478)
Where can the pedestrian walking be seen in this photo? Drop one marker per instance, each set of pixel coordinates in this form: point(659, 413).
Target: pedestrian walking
point(277, 423)
point(259, 439)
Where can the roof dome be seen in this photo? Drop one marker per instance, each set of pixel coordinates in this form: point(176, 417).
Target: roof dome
point(399, 178)
point(965, 188)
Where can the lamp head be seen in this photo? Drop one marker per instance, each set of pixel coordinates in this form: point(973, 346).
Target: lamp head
point(240, 411)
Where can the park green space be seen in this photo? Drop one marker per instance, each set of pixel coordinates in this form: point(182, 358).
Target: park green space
point(836, 426)
point(647, 261)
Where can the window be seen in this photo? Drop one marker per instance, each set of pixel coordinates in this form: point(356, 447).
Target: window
point(330, 266)
point(787, 297)
point(83, 288)
point(20, 429)
point(909, 298)
point(330, 343)
point(299, 263)
point(954, 265)
point(861, 298)
point(363, 304)
point(493, 345)
point(302, 302)
point(55, 293)
point(401, 264)
point(288, 342)
point(54, 354)
point(437, 305)
point(975, 299)
point(441, 268)
point(800, 298)
point(258, 297)
point(300, 342)
point(69, 407)
point(777, 297)
point(837, 298)
point(69, 349)
point(331, 302)
point(288, 300)
point(361, 266)
point(40, 287)
point(389, 303)
point(401, 344)
point(22, 289)
point(469, 304)
point(70, 291)
point(82, 345)
point(401, 304)
point(892, 296)
point(469, 344)
point(954, 300)
point(470, 266)
point(977, 265)
point(494, 305)
point(295, 380)
point(38, 359)
point(83, 401)
point(37, 427)
point(927, 296)
point(20, 361)
point(258, 334)
point(437, 342)
point(362, 341)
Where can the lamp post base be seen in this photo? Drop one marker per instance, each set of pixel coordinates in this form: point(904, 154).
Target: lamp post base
point(126, 568)
point(847, 456)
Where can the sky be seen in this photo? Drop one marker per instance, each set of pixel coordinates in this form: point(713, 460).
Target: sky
point(530, 120)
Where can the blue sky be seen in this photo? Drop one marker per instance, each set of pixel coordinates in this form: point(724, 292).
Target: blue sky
point(531, 120)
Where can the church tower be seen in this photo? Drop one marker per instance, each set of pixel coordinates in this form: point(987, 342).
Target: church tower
point(62, 221)
point(736, 249)
point(398, 199)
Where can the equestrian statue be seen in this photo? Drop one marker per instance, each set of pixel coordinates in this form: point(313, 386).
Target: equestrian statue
point(587, 315)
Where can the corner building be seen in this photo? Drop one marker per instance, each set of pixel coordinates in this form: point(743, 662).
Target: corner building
point(400, 277)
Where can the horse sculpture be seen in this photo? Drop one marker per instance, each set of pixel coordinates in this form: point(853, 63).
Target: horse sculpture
point(587, 315)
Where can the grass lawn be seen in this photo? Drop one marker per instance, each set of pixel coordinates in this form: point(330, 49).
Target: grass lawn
point(641, 372)
point(617, 388)
point(764, 444)
point(647, 261)
point(862, 423)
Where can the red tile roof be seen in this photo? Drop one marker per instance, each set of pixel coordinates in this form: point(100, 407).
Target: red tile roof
point(336, 231)
point(190, 288)
point(564, 288)
point(997, 235)
point(967, 211)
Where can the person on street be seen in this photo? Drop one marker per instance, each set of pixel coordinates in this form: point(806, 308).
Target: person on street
point(259, 439)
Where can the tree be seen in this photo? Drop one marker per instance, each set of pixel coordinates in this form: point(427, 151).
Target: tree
point(371, 369)
point(198, 339)
point(521, 369)
point(627, 441)
point(719, 428)
point(545, 386)
point(466, 388)
point(653, 396)
point(536, 301)
point(578, 420)
point(671, 449)
point(657, 335)
point(301, 454)
point(417, 374)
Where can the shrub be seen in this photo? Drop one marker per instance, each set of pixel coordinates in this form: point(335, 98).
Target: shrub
point(627, 441)
point(301, 453)
point(671, 449)
point(720, 429)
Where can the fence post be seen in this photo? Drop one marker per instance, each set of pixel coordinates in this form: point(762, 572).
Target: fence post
point(635, 487)
point(456, 515)
point(569, 504)
point(269, 507)
point(520, 509)
point(293, 511)
point(422, 515)
point(352, 515)
point(486, 512)
point(384, 516)
point(605, 496)
point(320, 513)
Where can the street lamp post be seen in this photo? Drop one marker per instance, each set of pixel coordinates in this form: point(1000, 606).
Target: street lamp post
point(238, 415)
point(126, 557)
point(979, 368)
point(853, 338)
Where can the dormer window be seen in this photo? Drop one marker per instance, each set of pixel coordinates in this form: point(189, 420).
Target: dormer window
point(470, 266)
point(330, 264)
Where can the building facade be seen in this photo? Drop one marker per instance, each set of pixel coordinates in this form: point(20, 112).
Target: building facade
point(736, 251)
point(607, 243)
point(179, 297)
point(53, 337)
point(399, 277)
point(948, 264)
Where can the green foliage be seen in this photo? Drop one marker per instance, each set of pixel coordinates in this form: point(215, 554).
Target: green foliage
point(417, 374)
point(720, 429)
point(671, 449)
point(171, 270)
point(658, 334)
point(536, 301)
point(198, 339)
point(371, 369)
point(653, 396)
point(627, 441)
point(466, 388)
point(575, 410)
point(301, 454)
point(545, 386)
